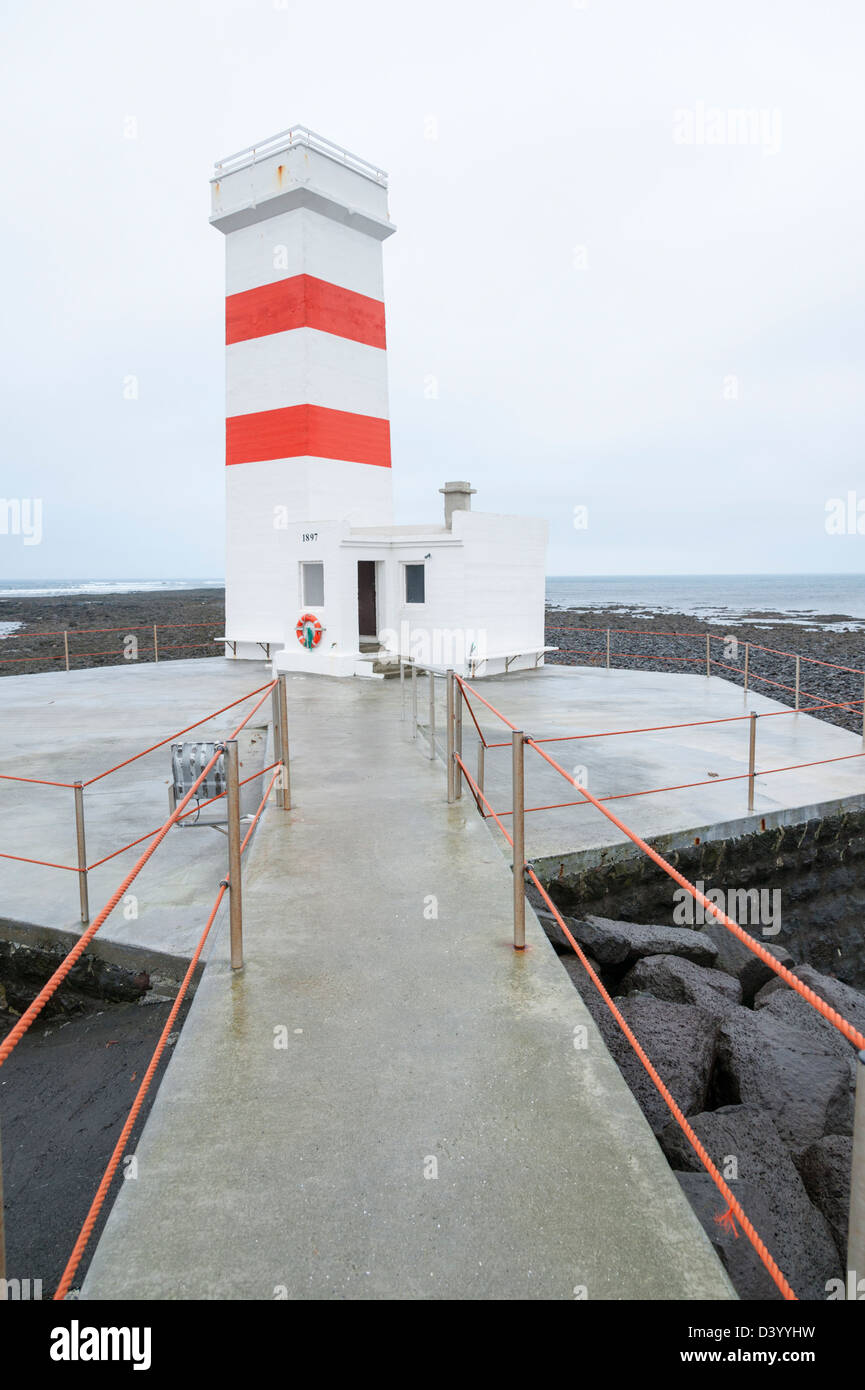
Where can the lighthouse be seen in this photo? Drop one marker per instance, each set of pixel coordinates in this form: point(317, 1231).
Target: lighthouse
point(318, 578)
point(307, 434)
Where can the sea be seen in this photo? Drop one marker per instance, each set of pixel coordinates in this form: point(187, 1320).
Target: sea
point(835, 602)
point(68, 588)
point(832, 601)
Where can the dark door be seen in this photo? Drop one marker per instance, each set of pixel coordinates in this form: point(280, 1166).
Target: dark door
point(366, 614)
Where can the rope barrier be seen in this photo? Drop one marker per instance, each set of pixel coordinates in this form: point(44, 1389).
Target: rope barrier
point(197, 724)
point(713, 637)
point(733, 1205)
point(14, 1036)
point(199, 806)
point(117, 1153)
point(831, 1015)
point(36, 781)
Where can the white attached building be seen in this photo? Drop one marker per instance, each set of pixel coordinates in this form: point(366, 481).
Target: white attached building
point(317, 575)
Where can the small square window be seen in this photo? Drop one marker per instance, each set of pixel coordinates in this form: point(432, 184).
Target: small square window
point(313, 585)
point(414, 584)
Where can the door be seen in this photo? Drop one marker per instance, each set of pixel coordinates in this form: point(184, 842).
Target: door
point(367, 621)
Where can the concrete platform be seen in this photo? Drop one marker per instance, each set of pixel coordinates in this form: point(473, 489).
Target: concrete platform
point(67, 725)
point(578, 700)
point(377, 933)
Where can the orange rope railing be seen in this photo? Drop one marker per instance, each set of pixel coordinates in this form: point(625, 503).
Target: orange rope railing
point(17, 1032)
point(831, 1015)
point(198, 807)
point(117, 1153)
point(733, 1204)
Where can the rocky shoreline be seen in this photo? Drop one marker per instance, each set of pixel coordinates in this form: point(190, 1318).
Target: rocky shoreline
point(196, 616)
point(765, 1081)
point(648, 638)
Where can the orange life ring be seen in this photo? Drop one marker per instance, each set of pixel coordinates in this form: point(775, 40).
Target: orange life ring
point(308, 631)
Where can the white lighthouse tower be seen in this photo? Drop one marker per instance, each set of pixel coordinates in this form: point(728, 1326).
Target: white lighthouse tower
point(307, 435)
point(318, 577)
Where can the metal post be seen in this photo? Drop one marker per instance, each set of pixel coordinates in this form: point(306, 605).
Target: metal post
point(480, 776)
point(82, 853)
point(284, 796)
point(608, 649)
point(235, 885)
point(798, 662)
point(277, 746)
point(752, 750)
point(2, 1223)
point(432, 715)
point(450, 734)
point(747, 659)
point(155, 645)
point(708, 657)
point(519, 828)
point(413, 701)
point(66, 648)
point(401, 689)
point(458, 742)
point(856, 1225)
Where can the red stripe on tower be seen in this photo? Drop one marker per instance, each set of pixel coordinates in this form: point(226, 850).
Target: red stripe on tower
point(299, 431)
point(302, 301)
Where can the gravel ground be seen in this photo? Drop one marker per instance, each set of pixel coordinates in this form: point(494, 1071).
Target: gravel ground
point(647, 639)
point(64, 1096)
point(39, 646)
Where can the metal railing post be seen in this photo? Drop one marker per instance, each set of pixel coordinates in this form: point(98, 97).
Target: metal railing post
point(519, 829)
point(608, 649)
point(480, 776)
point(155, 645)
point(235, 889)
point(82, 853)
point(856, 1225)
point(401, 690)
point(413, 701)
point(752, 753)
point(432, 714)
point(450, 735)
point(277, 744)
point(798, 663)
point(66, 648)
point(284, 752)
point(747, 660)
point(708, 657)
point(458, 742)
point(2, 1222)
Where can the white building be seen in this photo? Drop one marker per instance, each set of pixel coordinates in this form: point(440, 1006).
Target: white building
point(317, 575)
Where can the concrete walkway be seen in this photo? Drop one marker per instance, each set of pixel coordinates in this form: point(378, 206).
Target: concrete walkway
point(377, 933)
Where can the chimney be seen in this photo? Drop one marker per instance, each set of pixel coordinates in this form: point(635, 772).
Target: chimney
point(458, 498)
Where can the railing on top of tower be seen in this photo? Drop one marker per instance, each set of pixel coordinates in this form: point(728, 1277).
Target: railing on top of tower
point(297, 135)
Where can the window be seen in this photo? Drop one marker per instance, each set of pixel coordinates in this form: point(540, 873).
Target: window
point(312, 576)
point(414, 584)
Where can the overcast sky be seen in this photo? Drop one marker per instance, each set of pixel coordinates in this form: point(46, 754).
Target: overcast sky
point(628, 300)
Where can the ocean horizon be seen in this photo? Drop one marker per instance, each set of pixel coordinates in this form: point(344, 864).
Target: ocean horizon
point(835, 601)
